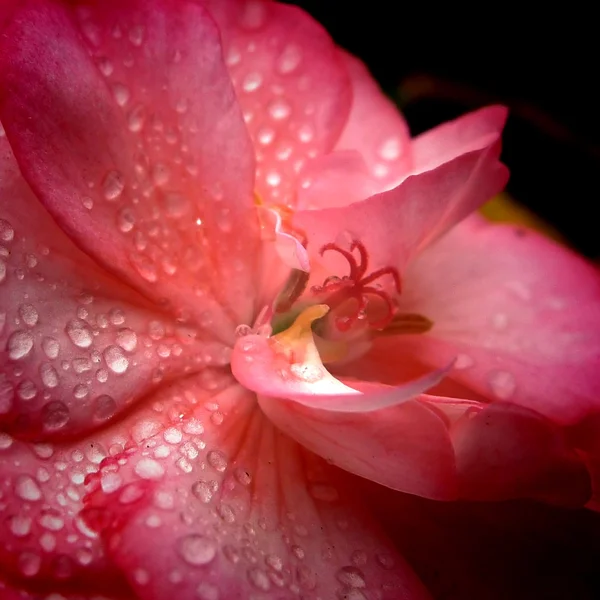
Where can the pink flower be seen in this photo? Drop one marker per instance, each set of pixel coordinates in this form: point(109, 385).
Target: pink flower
point(226, 271)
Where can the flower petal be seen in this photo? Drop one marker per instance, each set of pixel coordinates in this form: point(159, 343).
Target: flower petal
point(137, 147)
point(521, 313)
point(376, 129)
point(77, 347)
point(291, 85)
point(397, 224)
point(240, 510)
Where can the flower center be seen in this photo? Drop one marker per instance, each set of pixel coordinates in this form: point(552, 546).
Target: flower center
point(359, 288)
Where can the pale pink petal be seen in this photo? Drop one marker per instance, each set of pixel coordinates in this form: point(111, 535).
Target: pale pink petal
point(520, 313)
point(257, 367)
point(239, 510)
point(404, 447)
point(375, 128)
point(291, 85)
point(397, 224)
point(76, 346)
point(127, 127)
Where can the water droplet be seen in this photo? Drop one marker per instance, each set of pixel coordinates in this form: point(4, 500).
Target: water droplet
point(172, 435)
point(136, 35)
point(87, 202)
point(55, 415)
point(306, 134)
point(113, 185)
point(115, 359)
point(274, 561)
point(226, 513)
point(27, 489)
point(145, 267)
point(26, 390)
point(217, 460)
point(259, 579)
point(279, 109)
point(160, 174)
point(351, 577)
point(49, 375)
point(323, 492)
point(252, 82)
point(80, 391)
point(104, 407)
point(136, 118)
point(29, 314)
point(105, 66)
point(19, 345)
point(2, 274)
point(7, 393)
point(120, 94)
point(197, 550)
point(204, 490)
point(79, 333)
point(289, 60)
point(29, 564)
point(502, 384)
point(127, 339)
point(463, 361)
point(386, 561)
point(148, 468)
point(50, 519)
point(390, 149)
point(176, 205)
point(125, 220)
point(7, 233)
point(51, 347)
point(207, 591)
point(19, 525)
point(5, 441)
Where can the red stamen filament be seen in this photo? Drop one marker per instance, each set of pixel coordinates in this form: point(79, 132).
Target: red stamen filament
point(357, 287)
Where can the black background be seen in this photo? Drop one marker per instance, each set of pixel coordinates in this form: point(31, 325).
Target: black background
point(543, 63)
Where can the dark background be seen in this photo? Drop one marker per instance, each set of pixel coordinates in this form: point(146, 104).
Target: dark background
point(543, 63)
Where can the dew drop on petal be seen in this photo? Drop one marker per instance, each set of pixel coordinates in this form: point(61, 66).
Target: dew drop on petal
point(115, 359)
point(104, 407)
point(49, 375)
point(351, 577)
point(19, 345)
point(289, 60)
point(148, 468)
point(502, 384)
point(51, 347)
point(217, 460)
point(79, 333)
point(28, 314)
point(113, 185)
point(27, 489)
point(204, 490)
point(29, 563)
point(207, 591)
point(259, 579)
point(127, 339)
point(55, 415)
point(196, 550)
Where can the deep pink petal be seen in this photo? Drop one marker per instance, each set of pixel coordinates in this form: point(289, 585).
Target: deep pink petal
point(506, 451)
point(137, 146)
point(43, 485)
point(239, 510)
point(291, 85)
point(397, 224)
point(521, 313)
point(77, 347)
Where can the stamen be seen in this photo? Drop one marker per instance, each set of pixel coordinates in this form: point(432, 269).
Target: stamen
point(356, 286)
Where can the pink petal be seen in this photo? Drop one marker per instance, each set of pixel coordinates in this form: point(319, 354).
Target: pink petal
point(43, 486)
point(240, 510)
point(77, 347)
point(397, 224)
point(376, 129)
point(291, 85)
point(137, 147)
point(521, 313)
